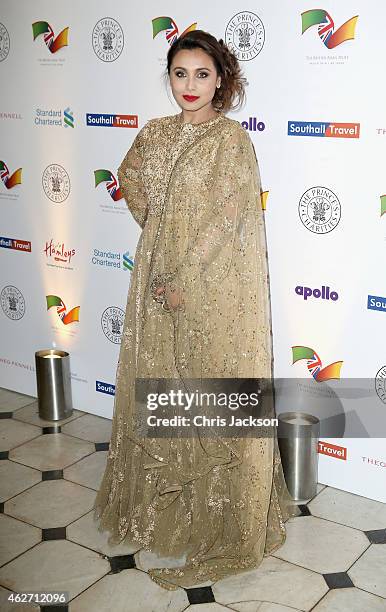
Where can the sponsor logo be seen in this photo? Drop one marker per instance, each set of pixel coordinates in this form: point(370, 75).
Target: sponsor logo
point(12, 302)
point(17, 364)
point(103, 387)
point(332, 450)
point(245, 35)
point(53, 117)
point(376, 462)
point(169, 26)
point(326, 129)
point(380, 383)
point(53, 44)
point(4, 42)
point(9, 180)
point(66, 317)
point(15, 244)
point(314, 364)
point(326, 27)
point(319, 210)
point(376, 302)
point(57, 252)
point(324, 293)
point(5, 115)
point(56, 183)
point(253, 125)
point(111, 259)
point(119, 121)
point(112, 323)
point(106, 176)
point(107, 39)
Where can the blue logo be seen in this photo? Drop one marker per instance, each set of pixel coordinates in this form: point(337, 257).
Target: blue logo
point(102, 387)
point(376, 302)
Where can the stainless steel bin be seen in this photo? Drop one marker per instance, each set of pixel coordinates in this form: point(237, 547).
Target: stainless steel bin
point(298, 438)
point(53, 382)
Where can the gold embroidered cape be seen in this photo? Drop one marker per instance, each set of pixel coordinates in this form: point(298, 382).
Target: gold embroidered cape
point(195, 191)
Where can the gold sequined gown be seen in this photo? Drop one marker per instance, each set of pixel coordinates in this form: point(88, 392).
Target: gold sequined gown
point(195, 191)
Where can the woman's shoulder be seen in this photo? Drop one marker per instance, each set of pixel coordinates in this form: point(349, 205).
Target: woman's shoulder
point(233, 131)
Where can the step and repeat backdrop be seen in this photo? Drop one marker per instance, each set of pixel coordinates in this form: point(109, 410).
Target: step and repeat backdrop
point(78, 84)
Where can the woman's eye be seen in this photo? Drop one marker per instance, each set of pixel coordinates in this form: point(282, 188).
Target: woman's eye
point(178, 73)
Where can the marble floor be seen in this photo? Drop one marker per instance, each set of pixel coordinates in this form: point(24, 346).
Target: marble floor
point(334, 558)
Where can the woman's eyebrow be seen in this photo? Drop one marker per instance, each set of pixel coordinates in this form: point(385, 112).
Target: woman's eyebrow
point(182, 68)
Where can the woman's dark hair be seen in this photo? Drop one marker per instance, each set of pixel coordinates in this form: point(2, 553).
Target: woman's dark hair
point(231, 93)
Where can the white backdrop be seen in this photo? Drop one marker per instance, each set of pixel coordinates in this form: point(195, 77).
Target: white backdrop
point(82, 242)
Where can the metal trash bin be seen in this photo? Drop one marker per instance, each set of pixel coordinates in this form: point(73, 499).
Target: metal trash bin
point(53, 384)
point(298, 438)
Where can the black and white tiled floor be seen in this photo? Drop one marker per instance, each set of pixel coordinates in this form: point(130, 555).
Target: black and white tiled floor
point(334, 559)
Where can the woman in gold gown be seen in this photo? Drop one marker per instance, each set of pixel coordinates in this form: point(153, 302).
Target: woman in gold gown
point(198, 307)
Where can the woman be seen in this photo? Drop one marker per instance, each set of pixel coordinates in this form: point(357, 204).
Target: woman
point(198, 307)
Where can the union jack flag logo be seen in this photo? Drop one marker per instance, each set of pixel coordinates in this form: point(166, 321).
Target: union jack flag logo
point(49, 36)
point(326, 28)
point(314, 365)
point(172, 32)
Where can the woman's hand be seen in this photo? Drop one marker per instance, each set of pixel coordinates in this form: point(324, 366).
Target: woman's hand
point(174, 298)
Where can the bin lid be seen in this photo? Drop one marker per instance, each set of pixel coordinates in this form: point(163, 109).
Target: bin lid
point(298, 418)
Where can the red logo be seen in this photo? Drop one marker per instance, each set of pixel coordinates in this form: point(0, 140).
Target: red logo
point(332, 450)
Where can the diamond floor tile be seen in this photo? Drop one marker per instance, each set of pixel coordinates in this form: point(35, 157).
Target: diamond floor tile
point(52, 451)
point(320, 545)
point(15, 478)
point(89, 427)
point(84, 531)
point(350, 600)
point(129, 591)
point(16, 537)
point(276, 581)
point(88, 471)
point(51, 503)
point(349, 509)
point(56, 565)
point(10, 400)
point(13, 433)
point(369, 572)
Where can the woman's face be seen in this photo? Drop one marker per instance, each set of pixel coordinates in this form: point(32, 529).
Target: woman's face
point(193, 73)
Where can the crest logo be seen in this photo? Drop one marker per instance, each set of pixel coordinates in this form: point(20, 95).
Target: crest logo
point(245, 35)
point(12, 302)
point(107, 39)
point(4, 42)
point(56, 183)
point(380, 384)
point(319, 210)
point(326, 27)
point(112, 323)
point(53, 44)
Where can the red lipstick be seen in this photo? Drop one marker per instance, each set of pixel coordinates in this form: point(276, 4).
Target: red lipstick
point(190, 98)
